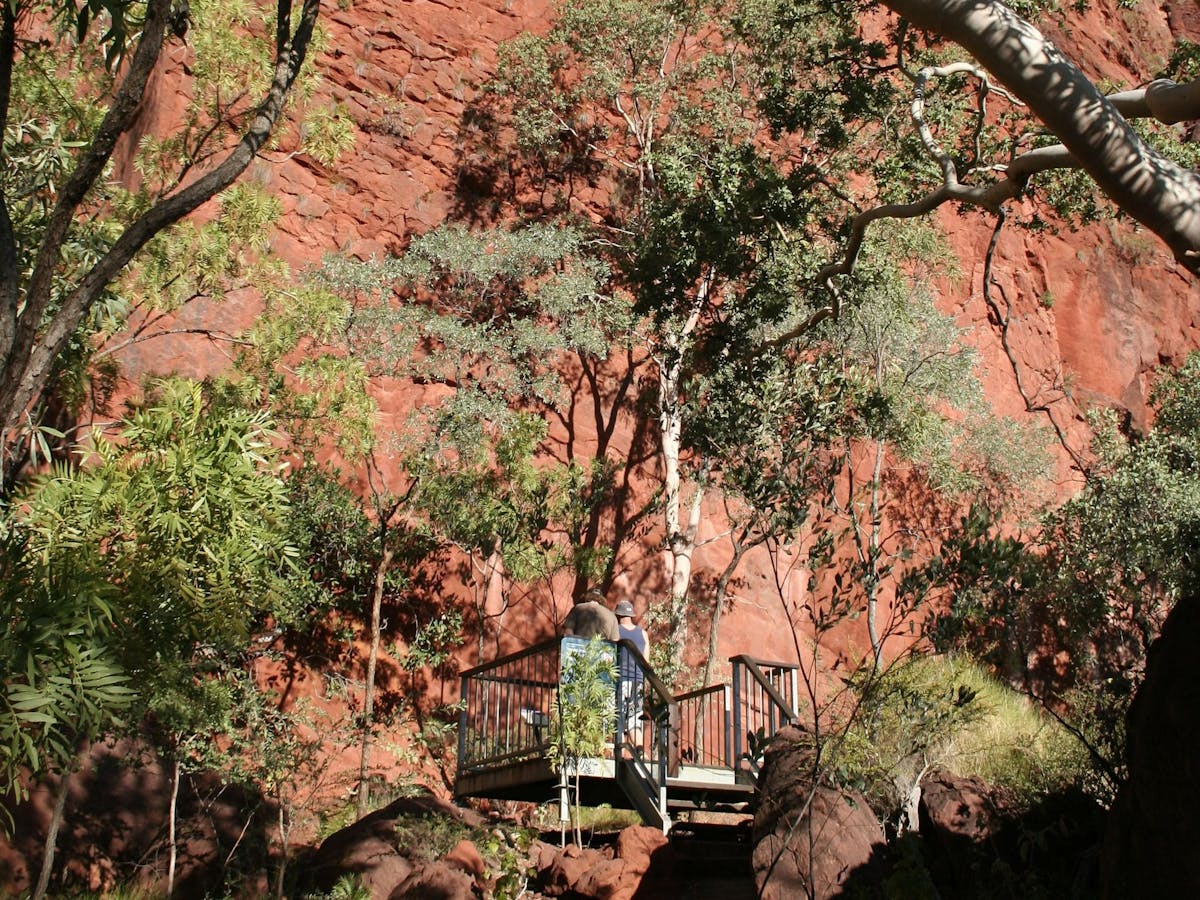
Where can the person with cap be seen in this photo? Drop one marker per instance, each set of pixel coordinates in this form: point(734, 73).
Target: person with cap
point(590, 617)
point(632, 678)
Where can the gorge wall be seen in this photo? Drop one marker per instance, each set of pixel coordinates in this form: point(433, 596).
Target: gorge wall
point(1093, 313)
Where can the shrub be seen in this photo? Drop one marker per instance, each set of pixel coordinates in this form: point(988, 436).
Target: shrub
point(947, 712)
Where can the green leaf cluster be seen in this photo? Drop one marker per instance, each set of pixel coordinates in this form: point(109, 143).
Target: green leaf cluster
point(483, 488)
point(585, 714)
point(185, 513)
point(62, 681)
point(141, 574)
point(495, 309)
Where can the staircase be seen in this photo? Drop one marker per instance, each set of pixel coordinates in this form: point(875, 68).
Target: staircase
point(704, 747)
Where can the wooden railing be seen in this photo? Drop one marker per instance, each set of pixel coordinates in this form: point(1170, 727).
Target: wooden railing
point(705, 727)
point(643, 765)
point(764, 700)
point(506, 707)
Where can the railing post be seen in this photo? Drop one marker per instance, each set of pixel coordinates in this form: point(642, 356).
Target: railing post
point(728, 729)
point(462, 726)
point(664, 743)
point(619, 705)
point(737, 714)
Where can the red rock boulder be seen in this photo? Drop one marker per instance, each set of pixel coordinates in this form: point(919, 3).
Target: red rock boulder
point(809, 840)
point(1154, 826)
point(369, 850)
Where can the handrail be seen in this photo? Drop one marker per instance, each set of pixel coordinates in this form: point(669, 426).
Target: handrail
point(698, 692)
point(507, 716)
point(762, 663)
point(645, 779)
point(506, 708)
point(759, 709)
point(659, 685)
point(511, 657)
point(752, 666)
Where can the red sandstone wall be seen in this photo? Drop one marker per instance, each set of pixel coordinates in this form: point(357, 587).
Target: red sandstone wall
point(406, 71)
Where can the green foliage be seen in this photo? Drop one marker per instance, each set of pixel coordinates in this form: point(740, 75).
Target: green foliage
point(495, 310)
point(231, 66)
point(63, 684)
point(429, 836)
point(1095, 582)
point(186, 513)
point(297, 363)
point(139, 576)
point(896, 721)
point(204, 259)
point(434, 642)
point(1124, 550)
point(505, 850)
point(66, 67)
point(585, 708)
point(506, 853)
point(482, 490)
point(920, 391)
point(328, 133)
point(335, 539)
point(348, 887)
point(947, 712)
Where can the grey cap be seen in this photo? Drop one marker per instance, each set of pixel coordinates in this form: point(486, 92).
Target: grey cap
point(625, 608)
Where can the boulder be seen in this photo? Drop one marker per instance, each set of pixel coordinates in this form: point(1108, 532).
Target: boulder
point(958, 818)
point(637, 845)
point(809, 840)
point(465, 857)
point(954, 806)
point(641, 863)
point(974, 834)
point(435, 881)
point(368, 848)
point(1154, 826)
point(608, 880)
point(568, 869)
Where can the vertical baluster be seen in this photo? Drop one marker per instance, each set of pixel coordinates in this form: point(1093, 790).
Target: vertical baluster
point(527, 732)
point(498, 706)
point(736, 744)
point(726, 694)
point(462, 724)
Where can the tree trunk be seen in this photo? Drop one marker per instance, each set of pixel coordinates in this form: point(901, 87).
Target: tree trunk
point(575, 808)
point(871, 562)
point(670, 419)
point(710, 662)
point(681, 540)
point(56, 817)
point(364, 787)
point(714, 628)
point(29, 346)
point(281, 871)
point(172, 815)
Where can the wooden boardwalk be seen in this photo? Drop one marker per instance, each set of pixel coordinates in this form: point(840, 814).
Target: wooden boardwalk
point(701, 749)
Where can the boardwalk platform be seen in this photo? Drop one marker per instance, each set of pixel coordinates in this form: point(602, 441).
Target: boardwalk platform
point(700, 750)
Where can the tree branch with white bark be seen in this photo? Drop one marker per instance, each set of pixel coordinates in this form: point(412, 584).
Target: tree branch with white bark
point(1093, 130)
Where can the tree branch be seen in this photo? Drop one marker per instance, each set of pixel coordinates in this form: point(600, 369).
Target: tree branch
point(9, 282)
point(91, 165)
point(1093, 129)
point(31, 363)
point(1153, 190)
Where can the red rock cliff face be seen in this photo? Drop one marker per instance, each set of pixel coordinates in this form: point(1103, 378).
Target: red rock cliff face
point(1092, 315)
